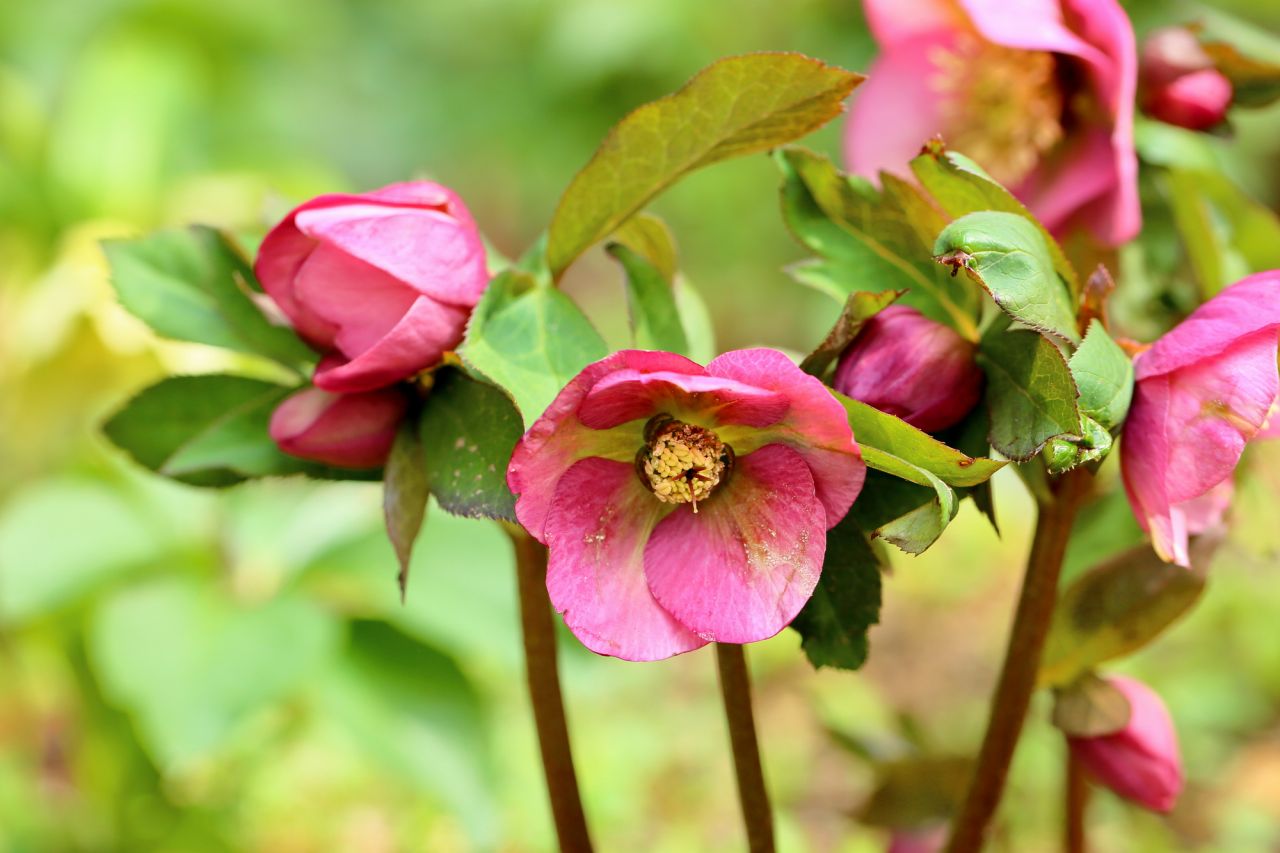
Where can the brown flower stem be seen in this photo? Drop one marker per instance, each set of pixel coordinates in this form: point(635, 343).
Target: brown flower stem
point(735, 688)
point(1076, 800)
point(1021, 662)
point(543, 678)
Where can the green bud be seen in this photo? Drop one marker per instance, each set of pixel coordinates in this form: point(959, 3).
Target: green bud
point(1061, 455)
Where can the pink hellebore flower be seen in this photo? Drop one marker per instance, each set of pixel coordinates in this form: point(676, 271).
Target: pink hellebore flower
point(380, 283)
point(1141, 761)
point(1039, 92)
point(907, 365)
point(347, 430)
point(1180, 84)
point(1203, 391)
point(684, 505)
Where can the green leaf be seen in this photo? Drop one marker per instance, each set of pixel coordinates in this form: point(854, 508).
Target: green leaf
point(404, 497)
point(1007, 254)
point(1118, 607)
point(1254, 82)
point(211, 430)
point(860, 307)
point(650, 238)
point(903, 505)
point(651, 304)
point(193, 285)
point(891, 436)
point(1090, 707)
point(959, 186)
point(469, 429)
point(736, 106)
point(695, 316)
point(917, 792)
point(868, 241)
point(529, 339)
point(1104, 375)
point(411, 709)
point(1030, 393)
point(1226, 234)
point(190, 666)
point(833, 624)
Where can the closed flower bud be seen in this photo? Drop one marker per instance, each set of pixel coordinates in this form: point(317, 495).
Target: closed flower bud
point(347, 430)
point(1179, 82)
point(380, 283)
point(1141, 761)
point(907, 365)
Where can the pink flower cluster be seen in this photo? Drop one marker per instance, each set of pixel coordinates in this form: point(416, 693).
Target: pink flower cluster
point(380, 284)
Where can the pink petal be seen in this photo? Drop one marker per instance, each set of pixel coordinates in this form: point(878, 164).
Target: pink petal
point(418, 341)
point(1028, 25)
point(1187, 429)
point(1249, 305)
point(1116, 217)
point(897, 109)
point(1077, 175)
point(427, 249)
point(558, 439)
point(815, 426)
point(740, 569)
point(597, 528)
point(361, 303)
point(347, 430)
point(894, 21)
point(284, 251)
point(628, 395)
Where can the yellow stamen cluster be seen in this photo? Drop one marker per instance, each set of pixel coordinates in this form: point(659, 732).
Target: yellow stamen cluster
point(1001, 106)
point(683, 463)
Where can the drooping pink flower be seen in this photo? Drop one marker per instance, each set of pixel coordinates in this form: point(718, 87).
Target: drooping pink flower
point(1203, 391)
point(380, 283)
point(1141, 762)
point(1039, 92)
point(910, 366)
point(683, 505)
point(1180, 84)
point(347, 430)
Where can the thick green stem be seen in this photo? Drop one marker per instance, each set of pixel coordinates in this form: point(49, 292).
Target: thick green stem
point(1021, 662)
point(543, 677)
point(735, 688)
point(1075, 801)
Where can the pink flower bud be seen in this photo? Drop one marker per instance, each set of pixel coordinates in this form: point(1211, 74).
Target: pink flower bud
point(1141, 761)
point(347, 430)
point(380, 283)
point(1180, 85)
point(907, 365)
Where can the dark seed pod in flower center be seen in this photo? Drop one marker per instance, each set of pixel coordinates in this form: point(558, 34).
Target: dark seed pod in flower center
point(682, 463)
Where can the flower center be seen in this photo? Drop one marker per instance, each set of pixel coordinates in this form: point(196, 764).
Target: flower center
point(682, 463)
point(1002, 107)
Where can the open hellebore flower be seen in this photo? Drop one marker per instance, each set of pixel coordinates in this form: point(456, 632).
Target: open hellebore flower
point(380, 283)
point(1180, 84)
point(910, 366)
point(347, 430)
point(1141, 761)
point(1203, 391)
point(683, 505)
point(1040, 94)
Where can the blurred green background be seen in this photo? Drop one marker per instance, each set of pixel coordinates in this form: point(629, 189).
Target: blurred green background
point(188, 671)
